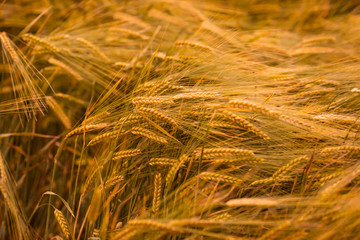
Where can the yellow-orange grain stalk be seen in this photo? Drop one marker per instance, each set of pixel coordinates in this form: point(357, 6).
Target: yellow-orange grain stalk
point(281, 171)
point(244, 123)
point(148, 134)
point(40, 42)
point(163, 161)
point(157, 193)
point(106, 136)
point(210, 176)
point(59, 112)
point(62, 223)
point(156, 114)
point(126, 153)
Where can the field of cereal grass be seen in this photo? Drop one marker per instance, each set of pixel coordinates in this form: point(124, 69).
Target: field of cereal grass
point(162, 119)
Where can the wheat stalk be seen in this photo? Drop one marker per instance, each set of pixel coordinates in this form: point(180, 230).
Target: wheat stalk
point(41, 42)
point(59, 112)
point(152, 100)
point(163, 161)
point(3, 168)
point(194, 45)
point(7, 45)
point(113, 181)
point(340, 149)
point(94, 48)
point(323, 180)
point(148, 134)
point(157, 193)
point(67, 68)
point(62, 223)
point(9, 198)
point(126, 153)
point(85, 128)
point(95, 117)
point(94, 206)
point(242, 160)
point(106, 136)
point(244, 123)
point(195, 95)
point(174, 169)
point(210, 176)
point(222, 124)
point(90, 179)
point(262, 181)
point(149, 223)
point(156, 114)
point(71, 98)
point(223, 152)
point(281, 171)
point(241, 104)
point(158, 86)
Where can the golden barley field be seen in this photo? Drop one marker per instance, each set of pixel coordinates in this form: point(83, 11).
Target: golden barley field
point(179, 119)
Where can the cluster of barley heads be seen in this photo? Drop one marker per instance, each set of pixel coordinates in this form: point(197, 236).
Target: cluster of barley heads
point(162, 119)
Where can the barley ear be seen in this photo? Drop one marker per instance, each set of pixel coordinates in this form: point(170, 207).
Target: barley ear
point(60, 218)
point(94, 209)
point(157, 193)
